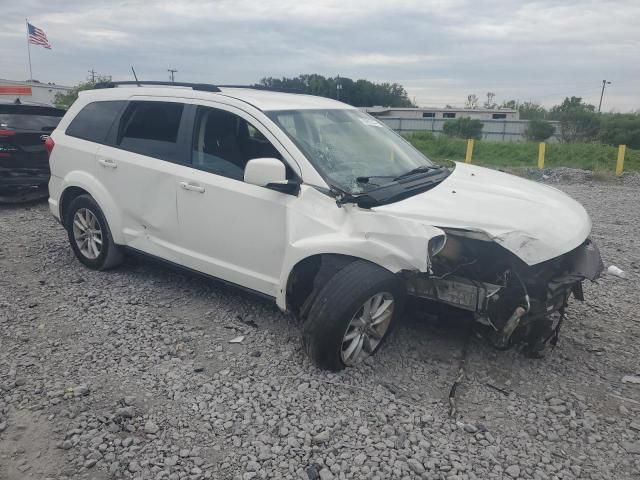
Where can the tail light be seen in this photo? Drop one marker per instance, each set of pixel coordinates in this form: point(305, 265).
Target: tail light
point(6, 132)
point(49, 144)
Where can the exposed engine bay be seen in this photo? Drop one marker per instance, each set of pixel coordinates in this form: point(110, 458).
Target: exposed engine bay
point(513, 303)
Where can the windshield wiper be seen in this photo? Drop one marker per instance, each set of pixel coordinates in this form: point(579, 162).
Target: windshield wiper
point(368, 179)
point(420, 169)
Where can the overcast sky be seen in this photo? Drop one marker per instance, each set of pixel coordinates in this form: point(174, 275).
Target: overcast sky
point(440, 50)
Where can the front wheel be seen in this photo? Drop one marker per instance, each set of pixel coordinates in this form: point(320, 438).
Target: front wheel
point(352, 315)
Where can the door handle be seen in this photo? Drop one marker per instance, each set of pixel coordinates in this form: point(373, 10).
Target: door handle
point(192, 186)
point(107, 162)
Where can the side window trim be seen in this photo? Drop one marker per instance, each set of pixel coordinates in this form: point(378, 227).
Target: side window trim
point(111, 137)
point(187, 124)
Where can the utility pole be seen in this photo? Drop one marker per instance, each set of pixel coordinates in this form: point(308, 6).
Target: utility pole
point(92, 72)
point(604, 84)
point(171, 71)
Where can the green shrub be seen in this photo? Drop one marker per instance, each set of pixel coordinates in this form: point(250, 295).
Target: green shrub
point(539, 130)
point(463, 127)
point(621, 130)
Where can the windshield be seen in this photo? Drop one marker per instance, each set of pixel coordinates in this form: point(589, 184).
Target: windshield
point(350, 149)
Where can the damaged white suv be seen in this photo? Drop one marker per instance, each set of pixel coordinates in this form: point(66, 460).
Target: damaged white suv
point(314, 204)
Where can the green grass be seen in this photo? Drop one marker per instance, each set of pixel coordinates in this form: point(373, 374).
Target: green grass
point(586, 156)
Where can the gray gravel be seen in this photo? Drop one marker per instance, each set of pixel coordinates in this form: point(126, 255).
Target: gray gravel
point(130, 374)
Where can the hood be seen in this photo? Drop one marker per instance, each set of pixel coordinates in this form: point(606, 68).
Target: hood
point(535, 222)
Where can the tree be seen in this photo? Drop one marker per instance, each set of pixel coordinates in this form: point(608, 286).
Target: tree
point(472, 101)
point(360, 93)
point(578, 120)
point(65, 100)
point(621, 129)
point(463, 127)
point(490, 103)
point(539, 130)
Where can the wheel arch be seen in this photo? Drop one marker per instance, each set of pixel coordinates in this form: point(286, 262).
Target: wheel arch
point(78, 183)
point(310, 273)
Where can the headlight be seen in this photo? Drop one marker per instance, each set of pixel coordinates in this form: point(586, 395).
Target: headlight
point(436, 244)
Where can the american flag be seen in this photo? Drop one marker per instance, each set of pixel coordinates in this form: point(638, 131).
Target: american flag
point(37, 36)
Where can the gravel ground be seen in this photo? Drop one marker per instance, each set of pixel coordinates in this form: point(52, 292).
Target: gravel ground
point(130, 374)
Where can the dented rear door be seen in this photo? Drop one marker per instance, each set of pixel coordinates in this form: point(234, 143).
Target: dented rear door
point(140, 172)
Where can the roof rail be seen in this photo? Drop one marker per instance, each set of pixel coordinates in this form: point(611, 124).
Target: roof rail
point(205, 87)
point(264, 87)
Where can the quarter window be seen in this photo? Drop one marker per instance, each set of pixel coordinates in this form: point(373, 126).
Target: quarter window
point(94, 121)
point(151, 128)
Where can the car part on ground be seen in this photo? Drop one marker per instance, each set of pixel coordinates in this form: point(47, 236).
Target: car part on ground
point(24, 163)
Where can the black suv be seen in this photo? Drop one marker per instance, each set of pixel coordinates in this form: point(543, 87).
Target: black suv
point(24, 164)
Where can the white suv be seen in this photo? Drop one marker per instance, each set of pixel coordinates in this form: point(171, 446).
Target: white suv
point(314, 204)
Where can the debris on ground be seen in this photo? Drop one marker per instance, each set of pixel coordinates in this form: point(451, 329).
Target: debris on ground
point(616, 272)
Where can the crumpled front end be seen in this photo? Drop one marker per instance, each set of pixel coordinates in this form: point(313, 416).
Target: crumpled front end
point(512, 302)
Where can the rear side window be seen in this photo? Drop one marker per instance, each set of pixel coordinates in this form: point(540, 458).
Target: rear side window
point(94, 121)
point(151, 128)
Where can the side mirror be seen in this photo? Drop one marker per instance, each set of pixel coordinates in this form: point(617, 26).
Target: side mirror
point(270, 173)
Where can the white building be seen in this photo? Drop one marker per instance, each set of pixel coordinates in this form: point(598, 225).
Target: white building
point(34, 92)
point(444, 113)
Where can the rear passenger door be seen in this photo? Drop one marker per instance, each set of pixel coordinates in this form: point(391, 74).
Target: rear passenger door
point(139, 167)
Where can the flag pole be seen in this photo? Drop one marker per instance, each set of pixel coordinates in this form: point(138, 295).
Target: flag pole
point(29, 50)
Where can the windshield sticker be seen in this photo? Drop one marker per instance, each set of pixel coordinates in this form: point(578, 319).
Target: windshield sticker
point(370, 122)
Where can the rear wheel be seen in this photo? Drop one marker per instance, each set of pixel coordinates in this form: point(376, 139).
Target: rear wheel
point(352, 315)
point(89, 234)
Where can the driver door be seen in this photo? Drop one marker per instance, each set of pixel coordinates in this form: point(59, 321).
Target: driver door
point(231, 229)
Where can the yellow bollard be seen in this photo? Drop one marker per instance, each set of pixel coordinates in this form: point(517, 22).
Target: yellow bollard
point(620, 164)
point(469, 155)
point(541, 151)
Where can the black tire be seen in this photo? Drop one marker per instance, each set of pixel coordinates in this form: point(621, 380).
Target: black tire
point(337, 303)
point(110, 254)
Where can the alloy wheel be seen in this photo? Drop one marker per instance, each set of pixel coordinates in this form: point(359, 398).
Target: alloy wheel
point(87, 233)
point(367, 328)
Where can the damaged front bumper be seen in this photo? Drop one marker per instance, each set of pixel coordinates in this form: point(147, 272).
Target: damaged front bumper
point(520, 305)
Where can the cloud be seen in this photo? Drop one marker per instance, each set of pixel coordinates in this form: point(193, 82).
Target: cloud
point(441, 50)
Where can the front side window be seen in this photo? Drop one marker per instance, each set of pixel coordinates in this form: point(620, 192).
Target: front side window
point(151, 128)
point(223, 143)
point(351, 149)
point(94, 121)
